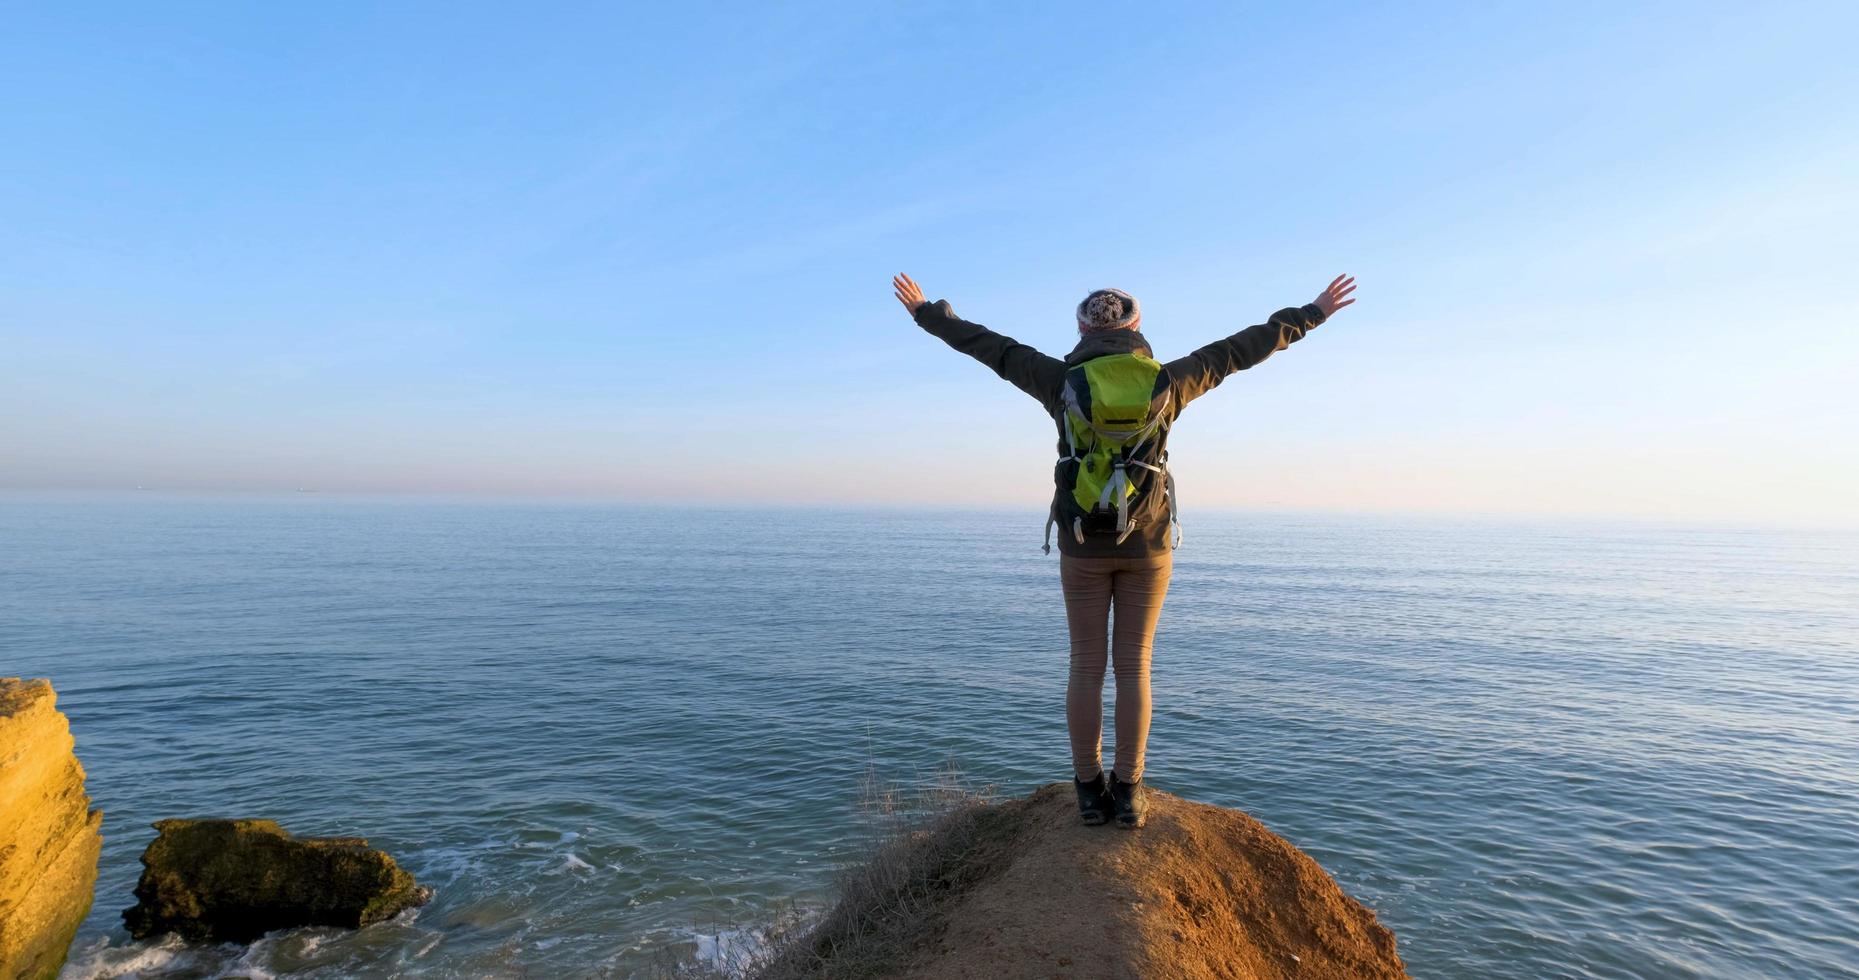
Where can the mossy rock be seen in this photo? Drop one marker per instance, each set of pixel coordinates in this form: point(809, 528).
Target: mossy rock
point(235, 880)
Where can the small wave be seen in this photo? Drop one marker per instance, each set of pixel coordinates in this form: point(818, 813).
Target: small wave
point(249, 965)
point(102, 960)
point(266, 958)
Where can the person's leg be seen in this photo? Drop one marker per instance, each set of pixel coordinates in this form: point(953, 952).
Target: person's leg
point(1086, 582)
point(1138, 588)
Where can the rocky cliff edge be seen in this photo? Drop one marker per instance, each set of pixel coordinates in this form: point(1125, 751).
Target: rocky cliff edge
point(49, 835)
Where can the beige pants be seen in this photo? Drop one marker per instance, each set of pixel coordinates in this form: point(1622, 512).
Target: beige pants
point(1135, 587)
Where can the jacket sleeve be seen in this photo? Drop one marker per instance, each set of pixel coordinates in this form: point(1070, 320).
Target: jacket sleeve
point(1197, 373)
point(1037, 374)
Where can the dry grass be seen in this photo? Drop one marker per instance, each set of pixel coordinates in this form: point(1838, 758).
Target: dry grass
point(924, 842)
point(926, 845)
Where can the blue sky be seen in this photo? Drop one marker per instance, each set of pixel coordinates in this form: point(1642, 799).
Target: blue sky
point(1604, 250)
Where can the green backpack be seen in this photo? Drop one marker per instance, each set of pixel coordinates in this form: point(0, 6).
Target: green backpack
point(1115, 425)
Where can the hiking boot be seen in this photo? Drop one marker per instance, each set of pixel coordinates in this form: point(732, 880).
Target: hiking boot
point(1131, 801)
point(1094, 803)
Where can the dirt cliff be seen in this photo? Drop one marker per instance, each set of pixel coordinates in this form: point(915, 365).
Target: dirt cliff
point(49, 835)
point(1023, 889)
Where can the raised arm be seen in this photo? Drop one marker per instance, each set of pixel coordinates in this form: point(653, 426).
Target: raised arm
point(1197, 373)
point(1027, 369)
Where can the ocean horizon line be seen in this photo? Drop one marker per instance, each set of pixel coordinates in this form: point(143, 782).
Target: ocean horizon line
point(1035, 508)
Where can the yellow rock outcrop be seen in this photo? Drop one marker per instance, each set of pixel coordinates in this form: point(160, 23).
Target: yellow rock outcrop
point(49, 837)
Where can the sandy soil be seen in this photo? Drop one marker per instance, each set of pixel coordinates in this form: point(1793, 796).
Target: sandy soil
point(1201, 892)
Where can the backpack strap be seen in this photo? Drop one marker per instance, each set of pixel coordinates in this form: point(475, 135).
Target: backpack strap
point(1119, 481)
point(1174, 515)
point(1168, 493)
point(1052, 517)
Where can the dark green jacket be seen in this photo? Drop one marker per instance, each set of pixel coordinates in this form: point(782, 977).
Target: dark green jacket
point(1190, 377)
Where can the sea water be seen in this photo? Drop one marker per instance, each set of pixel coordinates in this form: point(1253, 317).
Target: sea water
point(616, 739)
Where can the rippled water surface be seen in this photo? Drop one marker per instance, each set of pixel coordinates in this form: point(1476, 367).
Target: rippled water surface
point(615, 738)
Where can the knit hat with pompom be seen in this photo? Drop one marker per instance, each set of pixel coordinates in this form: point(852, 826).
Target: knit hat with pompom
point(1108, 309)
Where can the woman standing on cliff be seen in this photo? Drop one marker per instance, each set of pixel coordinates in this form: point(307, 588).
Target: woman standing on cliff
point(1114, 504)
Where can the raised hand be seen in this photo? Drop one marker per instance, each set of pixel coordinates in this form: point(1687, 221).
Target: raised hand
point(1331, 299)
point(908, 292)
